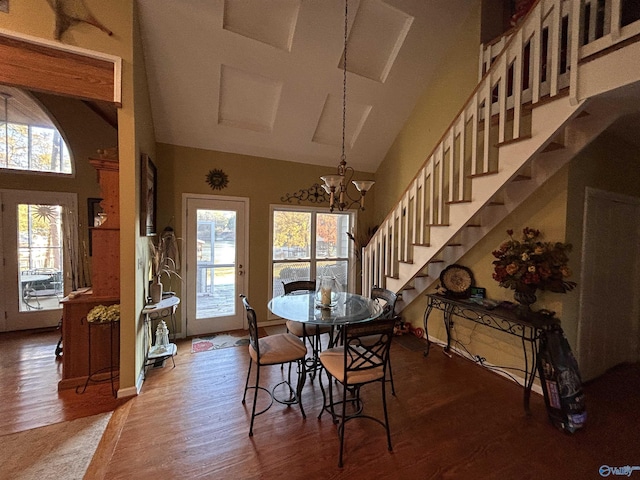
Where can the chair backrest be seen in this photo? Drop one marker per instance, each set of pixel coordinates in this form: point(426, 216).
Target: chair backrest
point(361, 353)
point(253, 325)
point(388, 296)
point(299, 285)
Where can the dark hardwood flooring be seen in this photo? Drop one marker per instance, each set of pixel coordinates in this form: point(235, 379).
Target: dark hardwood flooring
point(450, 419)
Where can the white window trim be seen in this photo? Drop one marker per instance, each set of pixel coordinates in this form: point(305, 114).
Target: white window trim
point(351, 257)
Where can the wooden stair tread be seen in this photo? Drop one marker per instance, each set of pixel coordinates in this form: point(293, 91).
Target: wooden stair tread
point(513, 140)
point(484, 174)
point(553, 146)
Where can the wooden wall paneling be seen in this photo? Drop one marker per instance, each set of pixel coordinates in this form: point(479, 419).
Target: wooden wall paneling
point(41, 66)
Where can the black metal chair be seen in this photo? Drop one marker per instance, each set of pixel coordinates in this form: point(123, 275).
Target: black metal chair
point(354, 364)
point(273, 350)
point(302, 330)
point(388, 311)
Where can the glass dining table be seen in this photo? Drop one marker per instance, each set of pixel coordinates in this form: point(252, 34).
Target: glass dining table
point(301, 307)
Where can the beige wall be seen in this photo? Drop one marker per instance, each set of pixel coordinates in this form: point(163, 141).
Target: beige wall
point(262, 181)
point(444, 96)
point(134, 271)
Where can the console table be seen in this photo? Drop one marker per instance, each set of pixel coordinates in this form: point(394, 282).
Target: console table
point(527, 326)
point(165, 308)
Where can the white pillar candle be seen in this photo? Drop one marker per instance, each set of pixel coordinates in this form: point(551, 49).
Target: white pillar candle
point(325, 296)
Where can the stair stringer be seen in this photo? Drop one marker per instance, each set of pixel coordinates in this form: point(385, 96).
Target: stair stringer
point(458, 237)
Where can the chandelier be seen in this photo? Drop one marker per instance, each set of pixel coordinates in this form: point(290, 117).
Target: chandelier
point(336, 185)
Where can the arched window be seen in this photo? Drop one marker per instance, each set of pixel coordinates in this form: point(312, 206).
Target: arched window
point(29, 139)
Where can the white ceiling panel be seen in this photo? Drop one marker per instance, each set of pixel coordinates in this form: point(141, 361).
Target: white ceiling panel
point(253, 76)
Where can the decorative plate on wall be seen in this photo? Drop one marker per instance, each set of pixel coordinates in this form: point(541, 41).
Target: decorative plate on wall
point(457, 280)
point(217, 179)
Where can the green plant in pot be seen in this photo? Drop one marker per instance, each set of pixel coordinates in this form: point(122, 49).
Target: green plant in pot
point(165, 262)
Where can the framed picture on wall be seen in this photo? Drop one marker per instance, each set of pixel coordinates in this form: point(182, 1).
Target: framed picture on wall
point(148, 196)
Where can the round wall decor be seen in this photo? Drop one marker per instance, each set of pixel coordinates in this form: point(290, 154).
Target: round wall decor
point(457, 280)
point(217, 179)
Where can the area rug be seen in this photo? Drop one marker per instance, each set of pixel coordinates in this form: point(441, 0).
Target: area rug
point(63, 450)
point(216, 342)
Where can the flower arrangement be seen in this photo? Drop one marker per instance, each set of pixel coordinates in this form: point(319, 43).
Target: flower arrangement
point(104, 314)
point(531, 264)
point(164, 255)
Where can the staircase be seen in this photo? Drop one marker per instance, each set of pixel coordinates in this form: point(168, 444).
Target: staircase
point(542, 97)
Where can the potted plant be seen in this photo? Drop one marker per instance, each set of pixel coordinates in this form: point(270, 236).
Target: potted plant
point(164, 258)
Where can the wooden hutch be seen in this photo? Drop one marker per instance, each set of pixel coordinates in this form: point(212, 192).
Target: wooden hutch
point(105, 279)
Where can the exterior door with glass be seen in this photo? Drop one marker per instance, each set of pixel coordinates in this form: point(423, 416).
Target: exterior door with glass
point(34, 242)
point(216, 251)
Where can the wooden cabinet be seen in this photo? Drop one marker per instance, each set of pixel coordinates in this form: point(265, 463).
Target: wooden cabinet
point(105, 279)
point(105, 263)
point(75, 340)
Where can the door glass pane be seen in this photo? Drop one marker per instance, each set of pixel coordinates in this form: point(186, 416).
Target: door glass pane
point(40, 262)
point(291, 235)
point(216, 263)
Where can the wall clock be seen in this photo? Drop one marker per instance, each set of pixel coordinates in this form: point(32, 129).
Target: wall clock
point(217, 179)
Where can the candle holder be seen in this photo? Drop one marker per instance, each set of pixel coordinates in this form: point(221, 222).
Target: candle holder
point(328, 290)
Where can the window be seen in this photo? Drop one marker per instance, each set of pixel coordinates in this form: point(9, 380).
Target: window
point(305, 241)
point(28, 138)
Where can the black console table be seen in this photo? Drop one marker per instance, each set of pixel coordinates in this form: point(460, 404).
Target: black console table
point(525, 325)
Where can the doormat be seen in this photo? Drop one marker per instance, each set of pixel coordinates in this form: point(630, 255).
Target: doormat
point(216, 342)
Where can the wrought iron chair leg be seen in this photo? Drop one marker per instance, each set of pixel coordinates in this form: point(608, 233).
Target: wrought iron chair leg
point(246, 384)
point(302, 375)
point(393, 388)
point(386, 416)
point(255, 400)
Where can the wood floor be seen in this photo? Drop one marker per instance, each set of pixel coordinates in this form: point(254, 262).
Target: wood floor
point(449, 420)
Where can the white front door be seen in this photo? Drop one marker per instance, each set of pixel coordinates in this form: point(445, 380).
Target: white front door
point(216, 254)
point(34, 243)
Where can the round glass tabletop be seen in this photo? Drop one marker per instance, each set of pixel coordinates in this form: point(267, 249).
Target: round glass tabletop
point(301, 307)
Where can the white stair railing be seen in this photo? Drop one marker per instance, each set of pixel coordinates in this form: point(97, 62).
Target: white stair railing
point(537, 61)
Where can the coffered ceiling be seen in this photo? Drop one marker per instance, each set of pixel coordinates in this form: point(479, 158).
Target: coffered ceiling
point(265, 78)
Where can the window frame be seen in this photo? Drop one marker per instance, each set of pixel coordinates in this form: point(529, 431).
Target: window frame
point(33, 120)
point(313, 260)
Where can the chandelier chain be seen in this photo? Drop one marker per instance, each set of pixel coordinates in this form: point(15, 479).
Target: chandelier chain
point(344, 79)
point(337, 185)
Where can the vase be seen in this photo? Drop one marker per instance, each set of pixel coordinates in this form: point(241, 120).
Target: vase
point(525, 298)
point(155, 292)
point(328, 290)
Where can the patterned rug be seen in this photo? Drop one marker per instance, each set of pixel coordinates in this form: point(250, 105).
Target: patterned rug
point(215, 342)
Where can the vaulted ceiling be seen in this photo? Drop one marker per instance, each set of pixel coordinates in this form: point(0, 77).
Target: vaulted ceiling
point(265, 78)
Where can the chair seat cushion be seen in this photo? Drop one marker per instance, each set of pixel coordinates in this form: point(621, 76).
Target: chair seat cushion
point(333, 361)
point(281, 348)
point(297, 328)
